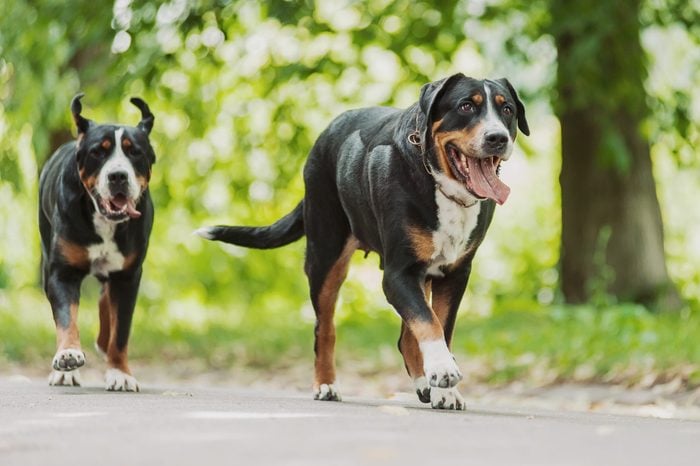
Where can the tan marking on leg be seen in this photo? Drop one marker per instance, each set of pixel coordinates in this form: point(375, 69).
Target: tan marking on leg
point(105, 317)
point(441, 307)
point(412, 357)
point(426, 331)
point(325, 334)
point(116, 357)
point(421, 242)
point(88, 181)
point(408, 345)
point(69, 338)
point(74, 254)
point(129, 261)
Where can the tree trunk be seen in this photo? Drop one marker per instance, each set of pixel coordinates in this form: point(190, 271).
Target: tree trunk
point(612, 233)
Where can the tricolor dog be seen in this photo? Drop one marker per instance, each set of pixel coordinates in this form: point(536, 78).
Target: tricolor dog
point(418, 187)
point(95, 217)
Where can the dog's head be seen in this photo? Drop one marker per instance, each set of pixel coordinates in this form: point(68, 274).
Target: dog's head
point(114, 161)
point(470, 129)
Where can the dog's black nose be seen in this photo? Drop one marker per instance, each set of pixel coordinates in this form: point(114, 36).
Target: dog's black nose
point(496, 141)
point(118, 178)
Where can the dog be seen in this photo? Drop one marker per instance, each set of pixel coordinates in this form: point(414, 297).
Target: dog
point(95, 217)
point(416, 186)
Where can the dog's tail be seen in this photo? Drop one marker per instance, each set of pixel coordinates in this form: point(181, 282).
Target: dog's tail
point(284, 231)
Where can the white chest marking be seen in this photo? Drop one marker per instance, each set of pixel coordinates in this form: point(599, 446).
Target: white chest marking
point(455, 226)
point(105, 256)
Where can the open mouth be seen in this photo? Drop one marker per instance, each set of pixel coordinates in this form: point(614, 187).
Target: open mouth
point(119, 206)
point(478, 175)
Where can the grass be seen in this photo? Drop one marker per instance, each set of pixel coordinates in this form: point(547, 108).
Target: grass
point(539, 345)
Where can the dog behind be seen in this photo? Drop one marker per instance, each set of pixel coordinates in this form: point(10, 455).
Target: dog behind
point(95, 218)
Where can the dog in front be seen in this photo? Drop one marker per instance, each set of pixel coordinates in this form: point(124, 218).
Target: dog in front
point(418, 187)
point(95, 217)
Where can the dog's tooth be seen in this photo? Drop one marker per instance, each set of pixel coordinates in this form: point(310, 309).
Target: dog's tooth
point(463, 159)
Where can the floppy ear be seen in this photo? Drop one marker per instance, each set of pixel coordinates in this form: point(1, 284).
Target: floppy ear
point(430, 92)
point(76, 107)
point(522, 121)
point(146, 123)
point(429, 95)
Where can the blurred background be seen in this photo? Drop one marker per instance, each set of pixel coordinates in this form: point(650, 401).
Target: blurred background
point(589, 271)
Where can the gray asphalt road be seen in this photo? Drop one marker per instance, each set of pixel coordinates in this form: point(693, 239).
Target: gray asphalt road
point(182, 425)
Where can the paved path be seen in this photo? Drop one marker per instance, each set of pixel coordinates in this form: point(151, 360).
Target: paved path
point(183, 425)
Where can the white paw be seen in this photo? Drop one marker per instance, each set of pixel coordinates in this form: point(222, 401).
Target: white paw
point(447, 398)
point(439, 365)
point(118, 381)
point(422, 389)
point(327, 392)
point(68, 359)
point(71, 379)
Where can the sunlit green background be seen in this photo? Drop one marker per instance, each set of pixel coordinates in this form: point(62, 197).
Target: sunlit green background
point(240, 91)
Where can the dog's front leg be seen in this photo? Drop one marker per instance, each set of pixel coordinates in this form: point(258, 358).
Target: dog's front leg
point(404, 290)
point(116, 311)
point(62, 288)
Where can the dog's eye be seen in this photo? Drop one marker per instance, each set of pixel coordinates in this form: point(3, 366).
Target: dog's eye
point(466, 107)
point(507, 110)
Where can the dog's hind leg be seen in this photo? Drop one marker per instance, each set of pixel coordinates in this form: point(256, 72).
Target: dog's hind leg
point(329, 249)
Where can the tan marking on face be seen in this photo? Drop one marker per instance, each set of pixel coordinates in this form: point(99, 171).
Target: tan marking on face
point(421, 243)
point(88, 181)
point(142, 182)
point(325, 331)
point(478, 99)
point(126, 143)
point(74, 254)
point(499, 99)
point(69, 337)
point(459, 138)
point(106, 144)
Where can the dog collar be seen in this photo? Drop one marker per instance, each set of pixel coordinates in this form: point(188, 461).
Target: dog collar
point(454, 199)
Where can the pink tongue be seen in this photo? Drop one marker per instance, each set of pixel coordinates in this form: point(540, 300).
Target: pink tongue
point(484, 181)
point(120, 200)
point(131, 210)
